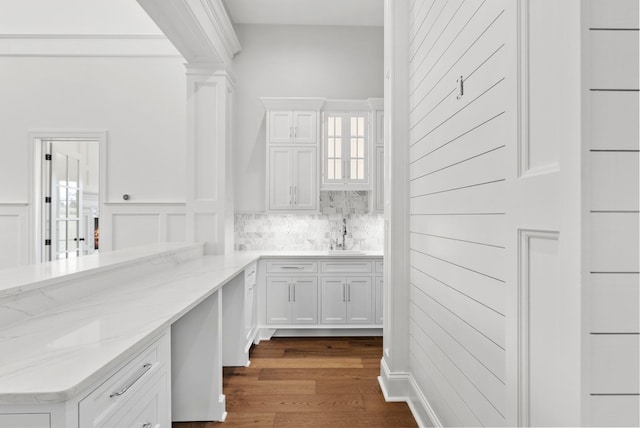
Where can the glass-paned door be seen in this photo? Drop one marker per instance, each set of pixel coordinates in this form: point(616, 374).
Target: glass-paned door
point(334, 149)
point(357, 157)
point(66, 198)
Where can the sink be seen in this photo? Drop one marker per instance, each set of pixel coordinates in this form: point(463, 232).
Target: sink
point(345, 252)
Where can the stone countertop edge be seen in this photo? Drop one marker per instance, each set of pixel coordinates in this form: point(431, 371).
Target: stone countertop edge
point(25, 278)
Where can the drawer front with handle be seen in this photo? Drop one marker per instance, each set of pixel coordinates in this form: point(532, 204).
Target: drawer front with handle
point(103, 402)
point(293, 267)
point(149, 410)
point(352, 266)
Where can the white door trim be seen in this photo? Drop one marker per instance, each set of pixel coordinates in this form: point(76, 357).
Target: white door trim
point(34, 140)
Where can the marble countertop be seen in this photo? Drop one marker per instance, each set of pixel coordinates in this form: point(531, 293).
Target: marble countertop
point(30, 277)
point(52, 356)
point(320, 253)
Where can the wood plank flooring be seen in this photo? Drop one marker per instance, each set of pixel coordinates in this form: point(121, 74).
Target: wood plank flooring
point(309, 382)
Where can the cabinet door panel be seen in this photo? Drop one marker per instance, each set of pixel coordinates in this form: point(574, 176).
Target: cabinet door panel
point(280, 127)
point(379, 127)
point(305, 300)
point(359, 300)
point(334, 296)
point(36, 420)
point(280, 179)
point(379, 293)
point(305, 126)
point(379, 196)
point(278, 300)
point(305, 195)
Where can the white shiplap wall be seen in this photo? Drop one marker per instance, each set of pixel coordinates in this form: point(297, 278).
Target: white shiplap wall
point(458, 168)
point(614, 293)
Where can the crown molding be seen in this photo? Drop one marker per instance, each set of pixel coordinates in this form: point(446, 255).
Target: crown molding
point(376, 103)
point(347, 105)
point(199, 29)
point(278, 103)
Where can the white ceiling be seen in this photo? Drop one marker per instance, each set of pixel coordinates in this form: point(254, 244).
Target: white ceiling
point(307, 12)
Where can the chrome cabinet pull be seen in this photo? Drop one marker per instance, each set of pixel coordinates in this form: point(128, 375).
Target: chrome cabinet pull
point(344, 292)
point(295, 195)
point(294, 292)
point(289, 292)
point(349, 292)
point(290, 130)
point(290, 195)
point(292, 267)
point(145, 368)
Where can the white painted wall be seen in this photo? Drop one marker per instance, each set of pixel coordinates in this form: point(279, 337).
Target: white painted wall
point(114, 17)
point(140, 102)
point(294, 61)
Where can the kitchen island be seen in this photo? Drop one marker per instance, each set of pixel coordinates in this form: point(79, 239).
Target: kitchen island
point(128, 338)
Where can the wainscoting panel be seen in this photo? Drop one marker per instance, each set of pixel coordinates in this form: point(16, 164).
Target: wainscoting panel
point(125, 225)
point(14, 238)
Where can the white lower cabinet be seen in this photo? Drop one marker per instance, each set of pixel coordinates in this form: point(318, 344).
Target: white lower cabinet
point(292, 300)
point(346, 300)
point(137, 395)
point(379, 293)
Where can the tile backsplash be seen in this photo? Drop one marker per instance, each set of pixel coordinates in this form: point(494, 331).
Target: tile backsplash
point(365, 231)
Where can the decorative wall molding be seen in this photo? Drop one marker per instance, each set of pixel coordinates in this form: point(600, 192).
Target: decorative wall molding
point(402, 387)
point(86, 45)
point(201, 30)
point(277, 103)
point(347, 105)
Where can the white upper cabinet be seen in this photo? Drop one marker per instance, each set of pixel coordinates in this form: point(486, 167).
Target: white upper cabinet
point(292, 153)
point(346, 151)
point(293, 178)
point(293, 127)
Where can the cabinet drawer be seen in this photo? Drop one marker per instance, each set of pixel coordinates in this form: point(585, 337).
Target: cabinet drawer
point(150, 410)
point(379, 267)
point(36, 420)
point(114, 393)
point(293, 267)
point(346, 266)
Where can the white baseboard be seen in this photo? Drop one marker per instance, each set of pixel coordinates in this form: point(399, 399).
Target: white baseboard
point(401, 386)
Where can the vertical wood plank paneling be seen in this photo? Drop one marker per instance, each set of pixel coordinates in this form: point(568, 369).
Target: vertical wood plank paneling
point(614, 285)
point(457, 174)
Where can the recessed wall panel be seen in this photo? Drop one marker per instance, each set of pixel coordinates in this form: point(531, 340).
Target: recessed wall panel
point(10, 241)
point(132, 230)
point(206, 231)
point(176, 228)
point(205, 133)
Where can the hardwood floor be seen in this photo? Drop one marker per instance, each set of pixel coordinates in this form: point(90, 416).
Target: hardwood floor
point(309, 382)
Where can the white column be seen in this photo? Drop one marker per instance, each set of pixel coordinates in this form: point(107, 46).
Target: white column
point(209, 158)
point(395, 362)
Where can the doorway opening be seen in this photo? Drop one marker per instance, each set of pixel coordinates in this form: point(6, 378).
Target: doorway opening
point(68, 189)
